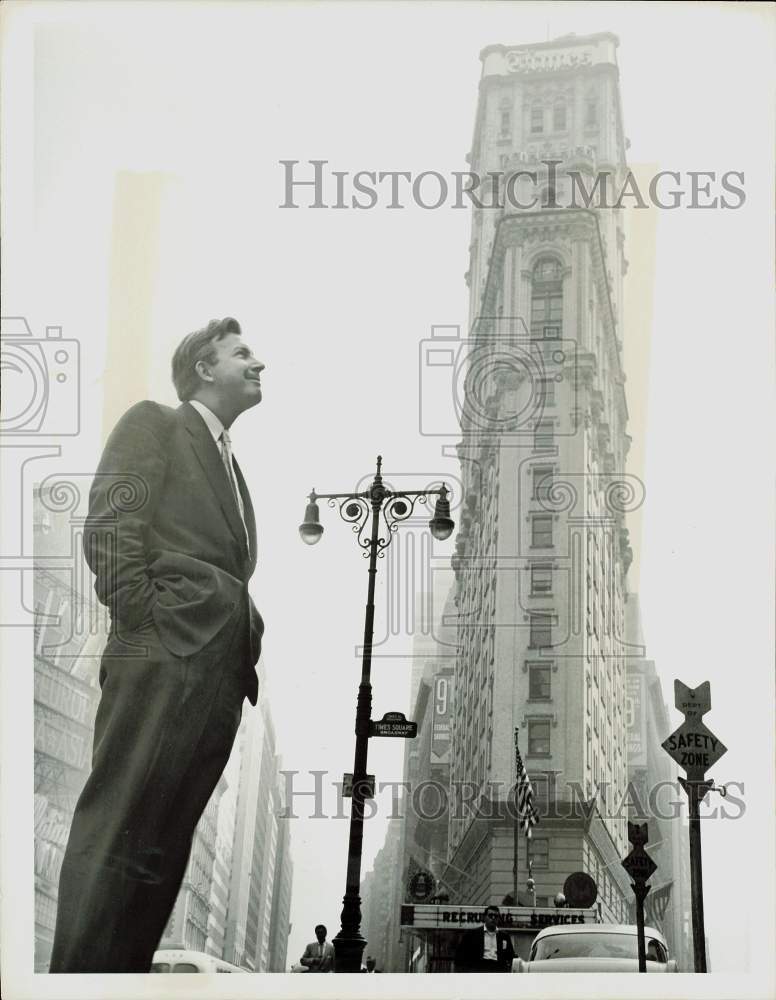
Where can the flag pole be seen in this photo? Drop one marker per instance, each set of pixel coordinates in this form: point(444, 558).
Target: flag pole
point(516, 830)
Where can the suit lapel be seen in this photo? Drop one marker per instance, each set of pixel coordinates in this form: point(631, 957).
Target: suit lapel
point(209, 457)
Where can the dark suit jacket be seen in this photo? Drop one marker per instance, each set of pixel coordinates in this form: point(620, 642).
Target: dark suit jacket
point(468, 954)
point(164, 535)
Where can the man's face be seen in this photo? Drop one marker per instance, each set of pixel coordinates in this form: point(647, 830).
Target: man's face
point(491, 920)
point(320, 933)
point(235, 373)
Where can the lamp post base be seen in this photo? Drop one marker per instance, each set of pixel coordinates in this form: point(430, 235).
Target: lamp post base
point(348, 952)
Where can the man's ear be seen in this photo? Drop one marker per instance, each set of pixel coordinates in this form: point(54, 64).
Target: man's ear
point(202, 368)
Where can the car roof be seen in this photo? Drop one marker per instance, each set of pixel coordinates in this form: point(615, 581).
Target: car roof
point(597, 929)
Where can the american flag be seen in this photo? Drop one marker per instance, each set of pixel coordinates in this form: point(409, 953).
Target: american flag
point(526, 812)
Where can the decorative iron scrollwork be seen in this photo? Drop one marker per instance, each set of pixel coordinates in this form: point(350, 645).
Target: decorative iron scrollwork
point(354, 511)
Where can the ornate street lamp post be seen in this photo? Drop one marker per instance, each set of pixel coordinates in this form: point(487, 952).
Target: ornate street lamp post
point(355, 509)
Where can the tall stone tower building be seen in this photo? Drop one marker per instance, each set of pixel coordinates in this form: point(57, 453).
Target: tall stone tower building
point(543, 553)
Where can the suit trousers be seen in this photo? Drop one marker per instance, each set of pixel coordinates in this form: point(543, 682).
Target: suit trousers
point(163, 733)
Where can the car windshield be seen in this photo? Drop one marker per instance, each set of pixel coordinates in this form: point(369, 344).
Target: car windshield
point(596, 945)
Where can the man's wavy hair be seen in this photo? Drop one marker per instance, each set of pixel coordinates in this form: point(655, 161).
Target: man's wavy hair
point(198, 346)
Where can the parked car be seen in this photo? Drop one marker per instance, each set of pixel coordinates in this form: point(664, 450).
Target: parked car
point(185, 960)
point(595, 948)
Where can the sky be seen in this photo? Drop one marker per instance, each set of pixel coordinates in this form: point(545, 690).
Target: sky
point(206, 100)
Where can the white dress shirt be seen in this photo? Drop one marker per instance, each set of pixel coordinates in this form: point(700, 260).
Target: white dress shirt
point(490, 949)
point(214, 425)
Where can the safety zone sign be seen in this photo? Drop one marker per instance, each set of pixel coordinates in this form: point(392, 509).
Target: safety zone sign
point(694, 747)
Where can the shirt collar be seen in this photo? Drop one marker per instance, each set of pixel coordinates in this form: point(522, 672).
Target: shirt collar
point(214, 425)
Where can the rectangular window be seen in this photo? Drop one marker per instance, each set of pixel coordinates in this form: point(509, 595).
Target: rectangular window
point(539, 309)
point(537, 118)
point(559, 117)
point(548, 391)
point(506, 122)
point(540, 854)
point(544, 435)
point(539, 682)
point(541, 630)
point(541, 531)
point(539, 737)
point(591, 112)
point(541, 580)
point(542, 481)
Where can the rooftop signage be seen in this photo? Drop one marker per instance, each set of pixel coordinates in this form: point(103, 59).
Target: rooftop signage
point(522, 61)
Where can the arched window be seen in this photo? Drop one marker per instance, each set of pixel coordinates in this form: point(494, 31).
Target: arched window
point(559, 116)
point(547, 299)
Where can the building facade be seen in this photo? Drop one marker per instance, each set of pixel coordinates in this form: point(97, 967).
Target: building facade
point(261, 872)
point(416, 840)
point(189, 923)
point(379, 914)
point(280, 923)
point(542, 553)
point(657, 799)
point(69, 631)
point(235, 899)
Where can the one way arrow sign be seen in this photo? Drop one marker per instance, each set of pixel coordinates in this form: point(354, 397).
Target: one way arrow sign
point(692, 702)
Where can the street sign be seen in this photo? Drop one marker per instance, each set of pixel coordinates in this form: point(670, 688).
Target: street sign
point(421, 886)
point(639, 865)
point(394, 724)
point(694, 747)
point(692, 702)
point(347, 786)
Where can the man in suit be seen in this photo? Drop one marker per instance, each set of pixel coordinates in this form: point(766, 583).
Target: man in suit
point(319, 954)
point(485, 949)
point(171, 538)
